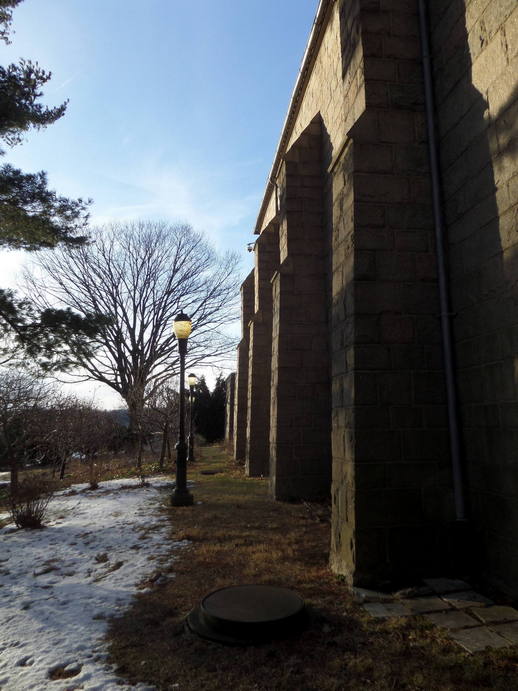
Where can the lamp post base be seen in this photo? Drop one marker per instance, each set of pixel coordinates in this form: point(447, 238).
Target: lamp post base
point(182, 498)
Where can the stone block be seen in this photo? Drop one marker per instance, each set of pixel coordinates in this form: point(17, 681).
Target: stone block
point(373, 298)
point(367, 417)
point(396, 328)
point(380, 69)
point(373, 158)
point(425, 445)
point(407, 356)
point(396, 266)
point(373, 238)
point(396, 126)
point(429, 387)
point(372, 45)
point(411, 216)
point(405, 47)
point(467, 599)
point(407, 96)
point(443, 586)
point(383, 610)
point(413, 475)
point(365, 389)
point(452, 620)
point(409, 71)
point(370, 475)
point(411, 158)
point(419, 298)
point(388, 507)
point(378, 446)
point(362, 595)
point(508, 631)
point(381, 188)
point(406, 417)
point(371, 357)
point(496, 614)
point(478, 638)
point(412, 240)
point(369, 215)
point(376, 94)
point(421, 605)
point(395, 388)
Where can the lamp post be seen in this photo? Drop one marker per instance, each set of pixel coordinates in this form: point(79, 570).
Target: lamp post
point(181, 496)
point(192, 380)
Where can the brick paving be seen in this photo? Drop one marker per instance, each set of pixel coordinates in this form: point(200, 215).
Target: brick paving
point(471, 619)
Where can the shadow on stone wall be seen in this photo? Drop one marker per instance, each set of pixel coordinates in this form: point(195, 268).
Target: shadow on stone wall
point(478, 150)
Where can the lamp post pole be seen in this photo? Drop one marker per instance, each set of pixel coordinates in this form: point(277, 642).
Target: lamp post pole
point(181, 495)
point(192, 380)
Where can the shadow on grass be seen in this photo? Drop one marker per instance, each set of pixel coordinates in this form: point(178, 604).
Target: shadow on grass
point(241, 536)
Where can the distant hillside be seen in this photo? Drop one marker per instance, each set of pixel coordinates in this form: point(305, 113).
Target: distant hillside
point(121, 416)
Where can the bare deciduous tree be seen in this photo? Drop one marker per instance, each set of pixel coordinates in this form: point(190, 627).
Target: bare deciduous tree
point(163, 409)
point(21, 395)
point(141, 275)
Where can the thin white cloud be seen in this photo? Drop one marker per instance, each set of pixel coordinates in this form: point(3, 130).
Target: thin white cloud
point(158, 191)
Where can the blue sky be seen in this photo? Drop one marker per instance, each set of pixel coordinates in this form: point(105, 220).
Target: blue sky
point(175, 107)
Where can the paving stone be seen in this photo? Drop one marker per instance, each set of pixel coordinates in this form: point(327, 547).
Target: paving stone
point(509, 631)
point(419, 605)
point(388, 609)
point(362, 595)
point(454, 619)
point(496, 614)
point(417, 591)
point(446, 585)
point(467, 598)
point(478, 638)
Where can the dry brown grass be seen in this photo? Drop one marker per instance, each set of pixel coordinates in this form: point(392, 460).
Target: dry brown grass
point(238, 535)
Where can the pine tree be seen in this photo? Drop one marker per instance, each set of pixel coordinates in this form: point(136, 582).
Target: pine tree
point(209, 410)
point(33, 217)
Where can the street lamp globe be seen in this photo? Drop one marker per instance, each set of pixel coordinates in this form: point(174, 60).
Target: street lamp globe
point(192, 379)
point(182, 326)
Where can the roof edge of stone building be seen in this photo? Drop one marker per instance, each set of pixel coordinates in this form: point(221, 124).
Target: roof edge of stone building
point(319, 24)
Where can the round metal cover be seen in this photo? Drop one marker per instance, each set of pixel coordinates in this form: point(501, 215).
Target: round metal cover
point(247, 614)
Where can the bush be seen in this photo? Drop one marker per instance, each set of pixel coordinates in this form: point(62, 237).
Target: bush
point(28, 504)
point(95, 470)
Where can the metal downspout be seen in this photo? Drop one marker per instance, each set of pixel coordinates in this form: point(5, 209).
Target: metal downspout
point(444, 297)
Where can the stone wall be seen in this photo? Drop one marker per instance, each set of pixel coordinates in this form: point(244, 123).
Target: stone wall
point(355, 341)
point(475, 49)
point(241, 394)
point(266, 250)
point(300, 431)
point(391, 473)
point(230, 384)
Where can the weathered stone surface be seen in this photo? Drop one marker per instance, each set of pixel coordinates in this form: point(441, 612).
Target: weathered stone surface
point(241, 389)
point(478, 638)
point(388, 609)
point(508, 631)
point(362, 595)
point(300, 429)
point(446, 585)
point(420, 605)
point(359, 200)
point(452, 619)
point(257, 456)
point(496, 614)
point(229, 408)
point(466, 599)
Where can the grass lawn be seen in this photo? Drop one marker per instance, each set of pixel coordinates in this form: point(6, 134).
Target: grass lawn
point(239, 535)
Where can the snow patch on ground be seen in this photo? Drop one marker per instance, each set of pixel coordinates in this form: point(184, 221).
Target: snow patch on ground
point(58, 585)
